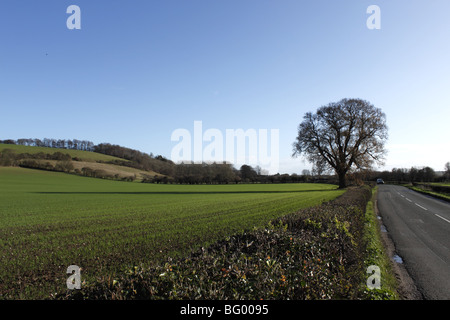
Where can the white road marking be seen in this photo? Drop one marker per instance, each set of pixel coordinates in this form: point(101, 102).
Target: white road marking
point(442, 218)
point(408, 200)
point(420, 206)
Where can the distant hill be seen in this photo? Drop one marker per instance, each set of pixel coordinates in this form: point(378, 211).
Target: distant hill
point(76, 148)
point(85, 163)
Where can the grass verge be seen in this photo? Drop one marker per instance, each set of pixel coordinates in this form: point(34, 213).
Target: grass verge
point(376, 255)
point(441, 196)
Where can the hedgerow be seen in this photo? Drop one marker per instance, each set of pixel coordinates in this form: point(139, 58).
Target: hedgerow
point(315, 253)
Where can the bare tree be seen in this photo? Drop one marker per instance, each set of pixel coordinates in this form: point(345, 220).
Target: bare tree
point(319, 167)
point(306, 172)
point(447, 171)
point(345, 135)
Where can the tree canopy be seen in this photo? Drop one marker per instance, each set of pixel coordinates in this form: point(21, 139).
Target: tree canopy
point(345, 135)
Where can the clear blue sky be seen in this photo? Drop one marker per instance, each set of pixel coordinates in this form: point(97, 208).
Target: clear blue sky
point(138, 70)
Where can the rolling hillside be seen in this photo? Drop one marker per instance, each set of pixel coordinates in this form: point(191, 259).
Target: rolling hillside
point(86, 156)
point(77, 161)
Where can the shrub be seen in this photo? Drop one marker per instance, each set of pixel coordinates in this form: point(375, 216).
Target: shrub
point(7, 158)
point(33, 164)
point(87, 172)
point(64, 166)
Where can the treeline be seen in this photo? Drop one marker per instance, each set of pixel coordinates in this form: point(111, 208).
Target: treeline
point(102, 174)
point(192, 173)
point(225, 173)
point(10, 158)
point(137, 159)
point(60, 166)
point(36, 161)
point(74, 144)
point(414, 174)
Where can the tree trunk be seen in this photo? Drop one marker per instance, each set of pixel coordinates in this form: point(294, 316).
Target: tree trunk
point(342, 180)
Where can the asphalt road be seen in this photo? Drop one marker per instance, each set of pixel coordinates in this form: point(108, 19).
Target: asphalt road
point(419, 226)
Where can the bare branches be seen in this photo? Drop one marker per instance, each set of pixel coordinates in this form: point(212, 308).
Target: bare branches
point(349, 133)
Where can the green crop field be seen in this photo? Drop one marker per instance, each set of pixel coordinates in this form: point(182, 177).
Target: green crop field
point(49, 221)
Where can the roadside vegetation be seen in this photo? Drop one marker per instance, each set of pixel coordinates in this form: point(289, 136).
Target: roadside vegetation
point(440, 191)
point(376, 255)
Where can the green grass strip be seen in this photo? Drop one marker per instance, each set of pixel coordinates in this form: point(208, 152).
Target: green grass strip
point(377, 256)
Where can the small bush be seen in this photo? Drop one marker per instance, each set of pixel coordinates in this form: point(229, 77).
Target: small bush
point(64, 166)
